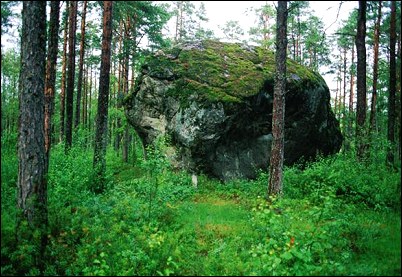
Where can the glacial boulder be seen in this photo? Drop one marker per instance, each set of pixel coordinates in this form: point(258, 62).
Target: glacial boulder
point(214, 101)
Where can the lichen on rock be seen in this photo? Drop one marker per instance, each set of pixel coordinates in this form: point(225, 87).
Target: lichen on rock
point(214, 100)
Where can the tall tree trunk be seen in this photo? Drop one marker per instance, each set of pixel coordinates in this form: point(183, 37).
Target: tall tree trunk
point(103, 97)
point(352, 79)
point(81, 66)
point(71, 73)
point(85, 97)
point(126, 144)
point(375, 70)
point(344, 84)
point(119, 87)
point(126, 136)
point(398, 101)
point(51, 73)
point(32, 186)
point(340, 85)
point(293, 38)
point(349, 127)
point(90, 100)
point(361, 81)
point(298, 36)
point(278, 113)
point(63, 78)
point(126, 59)
point(392, 86)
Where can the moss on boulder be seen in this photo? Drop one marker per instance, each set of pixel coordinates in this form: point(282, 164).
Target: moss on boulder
point(220, 71)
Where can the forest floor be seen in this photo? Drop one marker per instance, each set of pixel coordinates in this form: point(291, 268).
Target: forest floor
point(335, 218)
point(223, 229)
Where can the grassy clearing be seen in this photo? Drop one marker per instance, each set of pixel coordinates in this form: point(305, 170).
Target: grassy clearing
point(215, 229)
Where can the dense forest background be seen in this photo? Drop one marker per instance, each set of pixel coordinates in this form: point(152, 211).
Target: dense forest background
point(106, 210)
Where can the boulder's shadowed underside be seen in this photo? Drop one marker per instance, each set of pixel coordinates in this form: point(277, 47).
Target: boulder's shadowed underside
point(214, 100)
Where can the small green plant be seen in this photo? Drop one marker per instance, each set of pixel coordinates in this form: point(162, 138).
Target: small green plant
point(155, 165)
point(170, 269)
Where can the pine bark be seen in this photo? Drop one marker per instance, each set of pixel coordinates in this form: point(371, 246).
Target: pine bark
point(63, 79)
point(103, 98)
point(70, 73)
point(344, 83)
point(375, 69)
point(119, 86)
point(32, 186)
point(81, 66)
point(352, 79)
point(392, 86)
point(85, 98)
point(126, 65)
point(51, 73)
point(361, 81)
point(278, 113)
point(349, 127)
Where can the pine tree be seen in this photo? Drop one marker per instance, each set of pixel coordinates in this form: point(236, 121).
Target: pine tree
point(32, 186)
point(71, 73)
point(63, 77)
point(51, 73)
point(375, 69)
point(81, 66)
point(361, 81)
point(278, 113)
point(103, 99)
point(392, 86)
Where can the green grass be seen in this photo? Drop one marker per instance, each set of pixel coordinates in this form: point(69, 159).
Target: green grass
point(336, 218)
point(211, 232)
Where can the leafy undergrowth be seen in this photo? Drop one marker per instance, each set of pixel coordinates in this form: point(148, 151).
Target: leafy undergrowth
point(336, 218)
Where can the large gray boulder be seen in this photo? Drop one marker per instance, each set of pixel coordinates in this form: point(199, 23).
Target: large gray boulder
point(214, 101)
